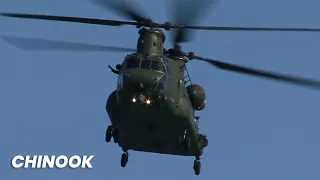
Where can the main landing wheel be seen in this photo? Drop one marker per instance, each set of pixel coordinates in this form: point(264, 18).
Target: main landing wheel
point(108, 134)
point(112, 132)
point(197, 167)
point(124, 159)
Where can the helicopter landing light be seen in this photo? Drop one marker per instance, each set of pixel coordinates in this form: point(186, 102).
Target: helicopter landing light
point(134, 100)
point(148, 101)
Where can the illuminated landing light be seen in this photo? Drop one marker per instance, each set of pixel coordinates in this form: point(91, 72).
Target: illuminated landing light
point(134, 100)
point(148, 101)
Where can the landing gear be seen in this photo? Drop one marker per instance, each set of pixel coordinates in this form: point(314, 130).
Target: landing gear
point(197, 166)
point(109, 134)
point(112, 132)
point(124, 159)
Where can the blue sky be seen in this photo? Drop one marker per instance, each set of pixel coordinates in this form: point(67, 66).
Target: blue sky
point(53, 102)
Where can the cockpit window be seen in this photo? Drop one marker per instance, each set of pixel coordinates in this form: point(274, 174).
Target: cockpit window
point(145, 64)
point(158, 65)
point(133, 63)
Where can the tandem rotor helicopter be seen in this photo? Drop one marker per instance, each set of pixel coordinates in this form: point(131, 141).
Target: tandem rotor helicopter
point(153, 107)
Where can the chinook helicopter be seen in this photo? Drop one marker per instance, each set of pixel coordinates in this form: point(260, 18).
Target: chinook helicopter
point(153, 107)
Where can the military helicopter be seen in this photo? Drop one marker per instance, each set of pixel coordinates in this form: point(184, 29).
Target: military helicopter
point(153, 107)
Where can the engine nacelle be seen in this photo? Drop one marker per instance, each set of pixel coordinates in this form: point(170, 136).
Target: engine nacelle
point(197, 96)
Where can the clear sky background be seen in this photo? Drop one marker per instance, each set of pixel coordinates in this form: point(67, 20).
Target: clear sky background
point(54, 102)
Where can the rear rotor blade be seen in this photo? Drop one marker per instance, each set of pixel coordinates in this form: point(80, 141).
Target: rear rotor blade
point(122, 7)
point(69, 19)
point(263, 74)
point(41, 44)
point(226, 28)
point(187, 12)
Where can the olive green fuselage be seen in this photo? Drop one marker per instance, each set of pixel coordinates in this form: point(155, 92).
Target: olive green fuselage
point(157, 126)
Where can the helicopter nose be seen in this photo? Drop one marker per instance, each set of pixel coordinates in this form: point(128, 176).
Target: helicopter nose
point(140, 77)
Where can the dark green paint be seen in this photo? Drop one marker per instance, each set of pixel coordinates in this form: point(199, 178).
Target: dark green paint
point(157, 127)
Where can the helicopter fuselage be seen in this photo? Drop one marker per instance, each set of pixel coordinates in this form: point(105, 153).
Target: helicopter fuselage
point(151, 110)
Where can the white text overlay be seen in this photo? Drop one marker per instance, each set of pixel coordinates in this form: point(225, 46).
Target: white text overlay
point(44, 161)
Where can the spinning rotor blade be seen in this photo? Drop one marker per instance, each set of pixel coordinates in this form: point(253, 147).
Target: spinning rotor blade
point(41, 44)
point(122, 7)
point(226, 28)
point(180, 36)
point(69, 19)
point(260, 73)
point(186, 13)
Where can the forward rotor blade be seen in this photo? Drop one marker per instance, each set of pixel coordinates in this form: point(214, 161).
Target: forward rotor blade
point(122, 7)
point(180, 36)
point(226, 28)
point(69, 19)
point(41, 44)
point(261, 73)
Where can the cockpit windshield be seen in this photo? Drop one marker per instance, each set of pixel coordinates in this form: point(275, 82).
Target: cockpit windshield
point(133, 63)
point(145, 64)
point(157, 65)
